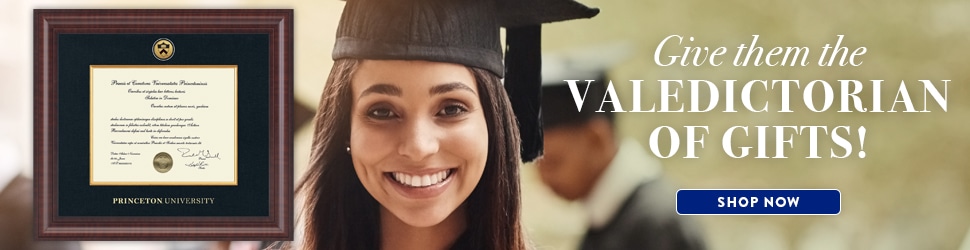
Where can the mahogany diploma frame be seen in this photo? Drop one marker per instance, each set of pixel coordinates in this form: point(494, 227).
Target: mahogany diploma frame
point(168, 124)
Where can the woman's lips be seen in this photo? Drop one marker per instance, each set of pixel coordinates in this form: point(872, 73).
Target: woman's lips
point(420, 186)
point(420, 180)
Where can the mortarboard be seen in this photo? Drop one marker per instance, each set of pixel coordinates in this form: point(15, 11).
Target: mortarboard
point(582, 64)
point(465, 32)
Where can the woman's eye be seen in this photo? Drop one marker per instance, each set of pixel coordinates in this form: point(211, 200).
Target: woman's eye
point(381, 113)
point(452, 110)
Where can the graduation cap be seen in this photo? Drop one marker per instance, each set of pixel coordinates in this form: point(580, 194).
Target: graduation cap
point(465, 32)
point(589, 63)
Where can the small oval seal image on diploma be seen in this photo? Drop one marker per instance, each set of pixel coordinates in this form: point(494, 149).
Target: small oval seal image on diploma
point(162, 162)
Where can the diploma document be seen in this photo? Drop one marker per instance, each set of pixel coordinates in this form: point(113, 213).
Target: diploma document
point(164, 125)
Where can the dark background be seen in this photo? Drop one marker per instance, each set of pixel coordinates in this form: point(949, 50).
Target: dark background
point(76, 52)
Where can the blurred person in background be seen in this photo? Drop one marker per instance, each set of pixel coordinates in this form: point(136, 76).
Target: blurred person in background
point(628, 203)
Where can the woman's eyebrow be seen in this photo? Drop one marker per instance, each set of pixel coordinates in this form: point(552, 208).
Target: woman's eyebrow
point(381, 88)
point(451, 86)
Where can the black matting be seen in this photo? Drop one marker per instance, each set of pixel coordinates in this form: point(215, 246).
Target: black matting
point(77, 52)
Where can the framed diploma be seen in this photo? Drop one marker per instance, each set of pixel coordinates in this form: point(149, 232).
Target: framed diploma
point(163, 124)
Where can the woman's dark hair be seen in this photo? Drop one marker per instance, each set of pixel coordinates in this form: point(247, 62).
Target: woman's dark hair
point(340, 214)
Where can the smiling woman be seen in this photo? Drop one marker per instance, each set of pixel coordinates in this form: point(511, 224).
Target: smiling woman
point(426, 143)
point(416, 144)
point(406, 155)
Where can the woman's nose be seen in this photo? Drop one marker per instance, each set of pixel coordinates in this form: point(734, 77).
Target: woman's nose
point(420, 140)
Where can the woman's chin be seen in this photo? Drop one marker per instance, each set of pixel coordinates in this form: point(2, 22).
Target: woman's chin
point(424, 217)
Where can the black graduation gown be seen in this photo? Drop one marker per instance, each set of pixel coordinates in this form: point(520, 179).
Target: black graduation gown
point(647, 220)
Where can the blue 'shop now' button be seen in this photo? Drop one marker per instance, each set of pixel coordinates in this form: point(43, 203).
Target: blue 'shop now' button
point(759, 201)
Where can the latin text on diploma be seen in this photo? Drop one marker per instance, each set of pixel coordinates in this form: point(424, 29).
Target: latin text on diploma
point(164, 125)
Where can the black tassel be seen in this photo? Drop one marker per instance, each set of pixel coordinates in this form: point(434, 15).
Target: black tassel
point(523, 82)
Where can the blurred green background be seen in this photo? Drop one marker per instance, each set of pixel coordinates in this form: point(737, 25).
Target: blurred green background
point(910, 192)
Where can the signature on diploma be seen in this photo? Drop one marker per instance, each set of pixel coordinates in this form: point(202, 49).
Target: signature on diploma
point(202, 155)
point(197, 164)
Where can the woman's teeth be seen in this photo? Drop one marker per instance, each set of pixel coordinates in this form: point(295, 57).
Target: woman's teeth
point(421, 180)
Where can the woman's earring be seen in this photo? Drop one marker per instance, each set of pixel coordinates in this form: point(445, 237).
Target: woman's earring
point(348, 149)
